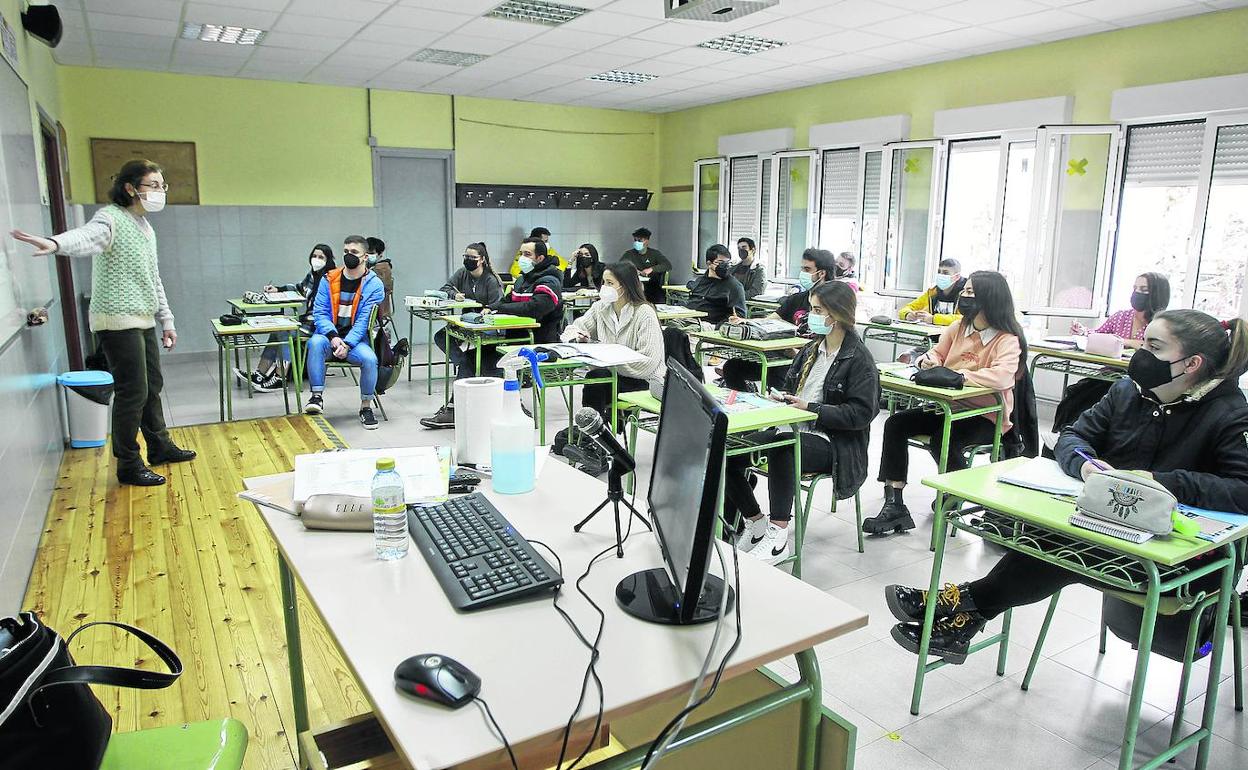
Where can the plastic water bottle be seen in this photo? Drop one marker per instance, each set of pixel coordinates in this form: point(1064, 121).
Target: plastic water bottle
point(389, 512)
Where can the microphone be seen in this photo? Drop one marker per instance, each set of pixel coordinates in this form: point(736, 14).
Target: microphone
point(590, 423)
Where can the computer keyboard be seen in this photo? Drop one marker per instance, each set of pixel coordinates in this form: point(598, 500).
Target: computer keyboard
point(479, 559)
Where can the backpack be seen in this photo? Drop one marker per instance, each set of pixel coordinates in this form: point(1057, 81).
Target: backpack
point(391, 359)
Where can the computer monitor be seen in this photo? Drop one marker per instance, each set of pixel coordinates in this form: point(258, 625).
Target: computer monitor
point(683, 498)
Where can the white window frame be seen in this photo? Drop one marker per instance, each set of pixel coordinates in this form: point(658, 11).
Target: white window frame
point(726, 231)
point(934, 223)
point(1042, 229)
point(777, 266)
point(1204, 184)
point(721, 205)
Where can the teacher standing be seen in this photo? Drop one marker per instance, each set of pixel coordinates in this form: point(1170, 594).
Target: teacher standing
point(127, 301)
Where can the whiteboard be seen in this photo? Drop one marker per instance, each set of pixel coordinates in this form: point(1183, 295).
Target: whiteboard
point(25, 281)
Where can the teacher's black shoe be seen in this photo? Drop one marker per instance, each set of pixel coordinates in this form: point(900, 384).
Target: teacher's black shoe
point(951, 637)
point(171, 455)
point(140, 477)
point(893, 517)
point(907, 604)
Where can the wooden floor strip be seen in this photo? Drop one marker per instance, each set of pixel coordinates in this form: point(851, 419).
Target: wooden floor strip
point(192, 564)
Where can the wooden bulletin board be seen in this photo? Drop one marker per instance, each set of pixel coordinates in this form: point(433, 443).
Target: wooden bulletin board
point(176, 158)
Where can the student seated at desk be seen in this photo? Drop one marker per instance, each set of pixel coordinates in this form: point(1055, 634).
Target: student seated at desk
point(650, 263)
point(939, 304)
point(747, 270)
point(267, 378)
point(740, 373)
point(585, 272)
point(1180, 417)
point(988, 347)
point(835, 377)
point(542, 234)
point(475, 281)
point(383, 268)
point(536, 294)
point(1150, 296)
point(716, 292)
point(624, 317)
point(845, 262)
point(344, 304)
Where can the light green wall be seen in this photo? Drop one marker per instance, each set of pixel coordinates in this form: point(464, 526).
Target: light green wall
point(268, 143)
point(1088, 68)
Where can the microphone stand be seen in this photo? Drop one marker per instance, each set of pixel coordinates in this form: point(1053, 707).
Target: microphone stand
point(615, 496)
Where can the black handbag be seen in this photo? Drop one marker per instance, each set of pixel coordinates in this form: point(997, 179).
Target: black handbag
point(939, 377)
point(48, 715)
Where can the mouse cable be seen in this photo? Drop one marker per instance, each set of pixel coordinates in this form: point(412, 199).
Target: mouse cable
point(506, 743)
point(669, 732)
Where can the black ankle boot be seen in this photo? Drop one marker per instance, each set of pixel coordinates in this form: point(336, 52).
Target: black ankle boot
point(893, 517)
point(907, 604)
point(951, 637)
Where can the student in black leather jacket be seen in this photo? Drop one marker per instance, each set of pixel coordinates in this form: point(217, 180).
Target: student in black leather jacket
point(835, 377)
point(1180, 417)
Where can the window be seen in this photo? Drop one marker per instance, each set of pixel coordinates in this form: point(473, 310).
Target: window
point(1020, 162)
point(870, 227)
point(708, 206)
point(970, 208)
point(1158, 202)
point(910, 192)
point(762, 233)
point(743, 197)
point(794, 183)
point(1219, 288)
point(838, 202)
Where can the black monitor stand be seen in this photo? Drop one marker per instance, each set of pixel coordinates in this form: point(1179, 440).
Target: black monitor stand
point(650, 596)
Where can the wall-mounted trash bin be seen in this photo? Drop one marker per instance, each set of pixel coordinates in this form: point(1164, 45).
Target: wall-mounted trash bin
point(87, 398)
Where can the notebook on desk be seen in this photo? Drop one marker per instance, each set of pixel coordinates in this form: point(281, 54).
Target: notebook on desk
point(1215, 526)
point(1120, 531)
point(1043, 475)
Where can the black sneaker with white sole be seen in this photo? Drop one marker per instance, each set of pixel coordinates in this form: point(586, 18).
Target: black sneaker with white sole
point(269, 384)
point(243, 378)
point(367, 419)
point(444, 418)
point(315, 405)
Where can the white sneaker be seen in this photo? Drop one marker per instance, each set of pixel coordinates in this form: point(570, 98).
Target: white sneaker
point(773, 546)
point(755, 530)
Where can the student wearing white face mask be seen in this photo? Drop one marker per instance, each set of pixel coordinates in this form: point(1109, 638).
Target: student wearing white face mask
point(939, 304)
point(127, 301)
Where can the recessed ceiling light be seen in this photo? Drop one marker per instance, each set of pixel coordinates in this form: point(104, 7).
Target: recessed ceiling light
point(622, 76)
point(537, 12)
point(453, 58)
point(742, 44)
point(222, 33)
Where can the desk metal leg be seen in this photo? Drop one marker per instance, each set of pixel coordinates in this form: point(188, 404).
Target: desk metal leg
point(296, 365)
point(294, 651)
point(290, 349)
point(799, 521)
point(1215, 662)
point(221, 375)
point(812, 708)
point(929, 610)
point(942, 464)
point(229, 392)
point(1148, 623)
point(411, 336)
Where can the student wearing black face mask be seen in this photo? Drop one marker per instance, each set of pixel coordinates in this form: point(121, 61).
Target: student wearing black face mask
point(716, 292)
point(747, 270)
point(1149, 296)
point(1179, 418)
point(381, 265)
point(585, 270)
point(267, 377)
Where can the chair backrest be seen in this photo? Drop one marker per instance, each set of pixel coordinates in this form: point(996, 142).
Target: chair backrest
point(676, 345)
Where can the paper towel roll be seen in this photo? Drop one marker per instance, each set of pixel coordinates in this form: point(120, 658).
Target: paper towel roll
point(478, 401)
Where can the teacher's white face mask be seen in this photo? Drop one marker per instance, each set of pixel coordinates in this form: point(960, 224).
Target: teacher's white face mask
point(152, 200)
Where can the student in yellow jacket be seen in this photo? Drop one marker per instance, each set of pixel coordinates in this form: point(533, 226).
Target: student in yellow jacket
point(939, 304)
point(544, 234)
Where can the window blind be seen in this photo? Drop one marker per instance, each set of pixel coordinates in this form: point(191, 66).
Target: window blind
point(743, 197)
point(1230, 155)
point(840, 183)
point(1164, 155)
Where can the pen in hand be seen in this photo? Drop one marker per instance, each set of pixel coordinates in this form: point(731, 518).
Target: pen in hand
point(1095, 463)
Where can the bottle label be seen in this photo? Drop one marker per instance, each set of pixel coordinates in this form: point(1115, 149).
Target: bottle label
point(379, 506)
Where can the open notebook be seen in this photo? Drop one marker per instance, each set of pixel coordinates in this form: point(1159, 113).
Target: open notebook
point(1044, 475)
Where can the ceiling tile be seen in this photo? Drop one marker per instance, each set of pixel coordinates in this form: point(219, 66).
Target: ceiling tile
point(294, 70)
point(633, 46)
point(913, 26)
point(971, 37)
point(457, 41)
point(569, 71)
point(603, 61)
point(792, 30)
point(642, 8)
point(852, 14)
point(421, 18)
point(303, 42)
point(506, 91)
point(611, 23)
point(130, 40)
point(559, 40)
point(204, 68)
point(136, 55)
point(198, 49)
point(677, 33)
point(170, 10)
point(420, 68)
point(501, 68)
point(380, 33)
point(791, 54)
point(203, 13)
point(382, 52)
point(107, 22)
point(903, 51)
point(698, 56)
point(316, 25)
point(265, 54)
point(1115, 10)
point(467, 7)
point(1164, 15)
point(925, 5)
point(502, 29)
point(749, 64)
point(348, 10)
point(148, 66)
point(1091, 28)
point(985, 11)
point(1036, 23)
point(849, 41)
point(259, 5)
point(661, 68)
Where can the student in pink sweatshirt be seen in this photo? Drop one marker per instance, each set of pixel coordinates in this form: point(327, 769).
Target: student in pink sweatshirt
point(988, 347)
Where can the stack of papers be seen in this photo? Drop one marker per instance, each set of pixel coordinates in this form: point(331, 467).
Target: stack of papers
point(597, 353)
point(283, 296)
point(425, 470)
point(1043, 475)
point(268, 321)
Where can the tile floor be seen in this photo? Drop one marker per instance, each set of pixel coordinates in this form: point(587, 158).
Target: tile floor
point(1071, 718)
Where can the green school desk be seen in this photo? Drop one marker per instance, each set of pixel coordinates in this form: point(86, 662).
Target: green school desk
point(643, 412)
point(483, 335)
point(898, 333)
point(264, 308)
point(430, 315)
point(765, 352)
point(1068, 363)
point(231, 339)
point(1037, 524)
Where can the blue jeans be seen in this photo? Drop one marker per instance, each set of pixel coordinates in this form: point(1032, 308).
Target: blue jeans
point(361, 355)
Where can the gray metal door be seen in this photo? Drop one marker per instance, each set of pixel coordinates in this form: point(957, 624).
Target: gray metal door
point(414, 190)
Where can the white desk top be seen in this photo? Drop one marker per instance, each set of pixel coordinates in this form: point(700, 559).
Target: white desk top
point(528, 659)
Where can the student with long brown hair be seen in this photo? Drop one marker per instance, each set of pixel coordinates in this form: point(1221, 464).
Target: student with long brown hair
point(1179, 417)
point(835, 377)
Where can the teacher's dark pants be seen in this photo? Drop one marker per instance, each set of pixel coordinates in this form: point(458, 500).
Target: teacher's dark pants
point(134, 359)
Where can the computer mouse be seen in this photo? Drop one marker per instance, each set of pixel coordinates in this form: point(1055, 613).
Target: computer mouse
point(437, 678)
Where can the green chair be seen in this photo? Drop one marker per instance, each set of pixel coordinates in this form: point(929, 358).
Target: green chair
point(333, 363)
point(217, 744)
point(1168, 605)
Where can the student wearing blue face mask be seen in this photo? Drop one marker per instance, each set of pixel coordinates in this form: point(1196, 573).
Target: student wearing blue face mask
point(818, 266)
point(650, 263)
point(939, 304)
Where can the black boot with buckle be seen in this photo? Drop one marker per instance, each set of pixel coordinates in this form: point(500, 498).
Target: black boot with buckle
point(951, 637)
point(907, 604)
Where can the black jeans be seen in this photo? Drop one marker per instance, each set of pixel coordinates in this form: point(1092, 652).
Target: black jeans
point(1020, 579)
point(598, 395)
point(134, 359)
point(781, 489)
point(908, 423)
point(739, 372)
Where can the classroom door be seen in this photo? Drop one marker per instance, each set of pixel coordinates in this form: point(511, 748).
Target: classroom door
point(414, 190)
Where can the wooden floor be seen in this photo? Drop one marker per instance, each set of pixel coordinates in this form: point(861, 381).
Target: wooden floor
point(195, 566)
